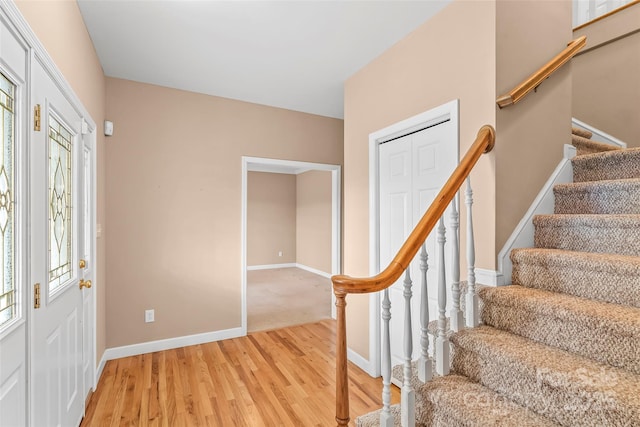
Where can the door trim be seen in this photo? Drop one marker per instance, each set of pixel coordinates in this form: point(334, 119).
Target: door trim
point(396, 130)
point(262, 164)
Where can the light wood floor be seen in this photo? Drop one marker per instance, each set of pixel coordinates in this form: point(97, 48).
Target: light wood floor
point(284, 377)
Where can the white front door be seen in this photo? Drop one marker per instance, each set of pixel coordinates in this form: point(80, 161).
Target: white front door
point(413, 169)
point(56, 215)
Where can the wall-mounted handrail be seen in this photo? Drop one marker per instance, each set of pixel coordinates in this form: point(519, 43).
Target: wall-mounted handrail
point(534, 80)
point(343, 285)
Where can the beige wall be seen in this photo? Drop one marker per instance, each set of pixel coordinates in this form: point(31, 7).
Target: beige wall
point(606, 77)
point(451, 56)
point(60, 28)
point(173, 185)
point(271, 218)
point(313, 218)
point(530, 135)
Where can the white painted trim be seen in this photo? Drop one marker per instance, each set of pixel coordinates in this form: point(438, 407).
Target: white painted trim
point(100, 369)
point(170, 343)
point(271, 266)
point(489, 277)
point(363, 363)
point(544, 203)
point(261, 164)
point(598, 135)
point(451, 110)
point(313, 270)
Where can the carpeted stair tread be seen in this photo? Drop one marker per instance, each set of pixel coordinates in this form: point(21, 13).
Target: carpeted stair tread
point(598, 197)
point(581, 132)
point(454, 400)
point(618, 164)
point(604, 277)
point(615, 234)
point(605, 332)
point(586, 146)
point(567, 388)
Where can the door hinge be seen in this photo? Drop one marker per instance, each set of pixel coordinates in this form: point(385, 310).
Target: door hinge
point(36, 117)
point(36, 295)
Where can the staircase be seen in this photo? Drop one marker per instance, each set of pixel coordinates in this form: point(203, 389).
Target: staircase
point(561, 346)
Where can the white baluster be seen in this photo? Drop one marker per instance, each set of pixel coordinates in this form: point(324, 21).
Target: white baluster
point(407, 396)
point(386, 418)
point(425, 368)
point(442, 341)
point(456, 318)
point(472, 297)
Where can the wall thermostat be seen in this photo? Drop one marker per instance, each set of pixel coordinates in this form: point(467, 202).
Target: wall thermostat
point(108, 128)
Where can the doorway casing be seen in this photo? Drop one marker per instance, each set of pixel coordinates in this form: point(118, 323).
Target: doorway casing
point(261, 164)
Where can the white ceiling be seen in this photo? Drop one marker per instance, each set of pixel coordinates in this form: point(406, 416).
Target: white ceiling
point(289, 54)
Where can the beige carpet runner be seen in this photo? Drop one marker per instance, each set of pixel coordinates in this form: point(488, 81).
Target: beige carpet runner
point(561, 346)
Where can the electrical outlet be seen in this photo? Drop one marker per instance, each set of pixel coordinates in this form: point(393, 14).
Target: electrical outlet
point(149, 316)
point(279, 253)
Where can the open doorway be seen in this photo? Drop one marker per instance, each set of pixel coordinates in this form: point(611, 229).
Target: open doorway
point(290, 241)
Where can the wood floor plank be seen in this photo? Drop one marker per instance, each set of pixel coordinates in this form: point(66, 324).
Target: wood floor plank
point(283, 377)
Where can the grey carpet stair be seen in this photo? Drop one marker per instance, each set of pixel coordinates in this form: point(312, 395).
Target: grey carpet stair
point(581, 132)
point(601, 331)
point(603, 277)
point(456, 401)
point(568, 389)
point(586, 146)
point(598, 197)
point(614, 234)
point(618, 164)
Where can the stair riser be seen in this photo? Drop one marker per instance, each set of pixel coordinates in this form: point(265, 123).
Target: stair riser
point(580, 281)
point(579, 334)
point(621, 165)
point(542, 392)
point(623, 200)
point(586, 238)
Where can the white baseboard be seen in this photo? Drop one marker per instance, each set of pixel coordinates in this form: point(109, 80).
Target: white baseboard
point(290, 265)
point(489, 277)
point(103, 362)
point(361, 362)
point(313, 270)
point(271, 266)
point(170, 343)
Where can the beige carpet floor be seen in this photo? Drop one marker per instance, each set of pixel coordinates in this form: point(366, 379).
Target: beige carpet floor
point(286, 296)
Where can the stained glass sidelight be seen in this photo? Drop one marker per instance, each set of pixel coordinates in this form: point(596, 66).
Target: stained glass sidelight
point(60, 254)
point(7, 211)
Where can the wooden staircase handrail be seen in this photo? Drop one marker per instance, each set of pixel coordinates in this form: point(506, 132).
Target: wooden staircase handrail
point(534, 80)
point(343, 285)
point(484, 143)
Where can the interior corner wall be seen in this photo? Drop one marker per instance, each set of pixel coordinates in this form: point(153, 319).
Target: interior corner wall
point(606, 76)
point(313, 219)
point(451, 56)
point(60, 28)
point(174, 180)
point(271, 218)
point(529, 135)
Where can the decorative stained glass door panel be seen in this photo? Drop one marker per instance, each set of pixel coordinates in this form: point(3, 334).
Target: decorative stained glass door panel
point(57, 388)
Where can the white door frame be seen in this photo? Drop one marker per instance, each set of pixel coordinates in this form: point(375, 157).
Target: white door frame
point(262, 164)
point(396, 130)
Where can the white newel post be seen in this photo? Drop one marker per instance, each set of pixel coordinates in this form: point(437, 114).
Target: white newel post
point(386, 418)
point(407, 396)
point(457, 319)
point(472, 297)
point(425, 368)
point(442, 341)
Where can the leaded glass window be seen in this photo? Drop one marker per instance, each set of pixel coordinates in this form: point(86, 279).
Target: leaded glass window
point(60, 253)
point(7, 211)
